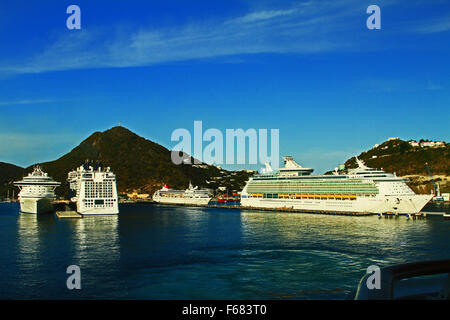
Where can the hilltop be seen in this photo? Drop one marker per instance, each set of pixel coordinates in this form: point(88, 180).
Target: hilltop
point(140, 164)
point(407, 159)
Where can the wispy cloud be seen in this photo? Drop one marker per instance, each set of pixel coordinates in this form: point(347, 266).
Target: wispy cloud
point(26, 101)
point(306, 28)
point(436, 26)
point(264, 15)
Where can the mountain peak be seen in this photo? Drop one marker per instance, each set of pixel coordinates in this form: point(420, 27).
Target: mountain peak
point(139, 164)
point(115, 135)
point(119, 130)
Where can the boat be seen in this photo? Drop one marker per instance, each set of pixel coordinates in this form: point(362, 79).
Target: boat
point(190, 196)
point(94, 189)
point(360, 190)
point(423, 280)
point(37, 192)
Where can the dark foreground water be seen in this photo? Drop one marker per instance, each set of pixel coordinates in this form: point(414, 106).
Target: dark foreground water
point(163, 252)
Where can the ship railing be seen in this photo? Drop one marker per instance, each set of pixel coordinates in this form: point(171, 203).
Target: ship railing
point(408, 281)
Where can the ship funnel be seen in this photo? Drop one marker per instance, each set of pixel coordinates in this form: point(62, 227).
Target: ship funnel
point(289, 162)
point(268, 168)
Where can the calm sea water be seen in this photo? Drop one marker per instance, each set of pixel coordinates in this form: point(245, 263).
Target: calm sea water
point(164, 252)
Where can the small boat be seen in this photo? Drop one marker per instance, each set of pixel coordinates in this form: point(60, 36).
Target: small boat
point(191, 196)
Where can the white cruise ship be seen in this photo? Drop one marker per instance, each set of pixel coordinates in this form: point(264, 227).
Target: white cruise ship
point(190, 196)
point(95, 190)
point(360, 190)
point(37, 192)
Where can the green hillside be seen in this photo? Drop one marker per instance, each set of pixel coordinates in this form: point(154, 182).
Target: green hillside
point(143, 166)
point(139, 164)
point(8, 173)
point(405, 160)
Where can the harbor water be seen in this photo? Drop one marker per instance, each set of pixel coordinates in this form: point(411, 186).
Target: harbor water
point(170, 252)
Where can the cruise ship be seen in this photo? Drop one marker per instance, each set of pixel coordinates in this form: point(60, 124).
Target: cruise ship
point(360, 190)
point(190, 196)
point(94, 189)
point(37, 192)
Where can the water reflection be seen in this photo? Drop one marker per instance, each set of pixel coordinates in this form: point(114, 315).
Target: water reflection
point(338, 232)
point(95, 240)
point(28, 241)
point(176, 252)
point(46, 246)
point(294, 254)
point(89, 237)
point(31, 261)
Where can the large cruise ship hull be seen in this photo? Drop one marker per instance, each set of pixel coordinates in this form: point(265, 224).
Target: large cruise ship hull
point(398, 204)
point(182, 200)
point(36, 205)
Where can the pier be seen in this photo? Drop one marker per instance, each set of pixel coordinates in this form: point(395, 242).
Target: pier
point(237, 207)
point(386, 215)
point(334, 213)
point(68, 214)
point(414, 216)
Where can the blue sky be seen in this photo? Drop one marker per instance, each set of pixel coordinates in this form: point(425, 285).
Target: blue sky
point(309, 68)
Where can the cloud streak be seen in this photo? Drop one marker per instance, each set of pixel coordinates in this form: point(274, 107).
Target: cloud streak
point(442, 25)
point(305, 28)
point(309, 27)
point(26, 101)
point(265, 15)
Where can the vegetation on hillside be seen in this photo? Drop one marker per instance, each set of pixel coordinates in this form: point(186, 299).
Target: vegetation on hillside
point(8, 173)
point(405, 160)
point(144, 166)
point(139, 164)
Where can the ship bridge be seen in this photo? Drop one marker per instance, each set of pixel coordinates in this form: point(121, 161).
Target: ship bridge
point(37, 178)
point(363, 171)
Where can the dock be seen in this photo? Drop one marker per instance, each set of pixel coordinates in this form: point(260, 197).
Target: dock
point(433, 213)
point(68, 214)
point(386, 215)
point(414, 216)
point(289, 209)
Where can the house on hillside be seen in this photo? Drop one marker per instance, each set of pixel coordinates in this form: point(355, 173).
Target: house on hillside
point(414, 143)
point(425, 144)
